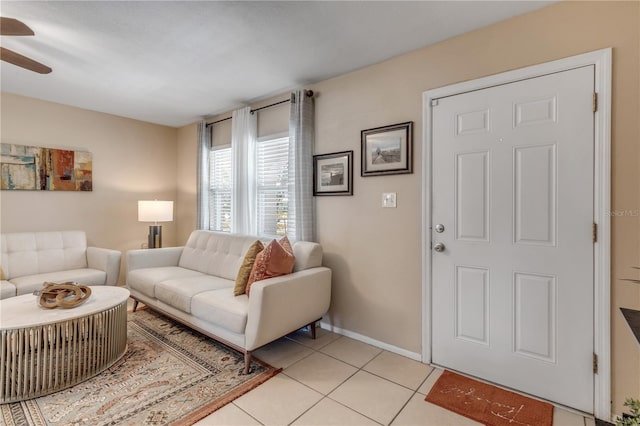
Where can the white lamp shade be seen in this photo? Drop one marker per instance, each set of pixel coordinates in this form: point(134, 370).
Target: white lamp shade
point(155, 211)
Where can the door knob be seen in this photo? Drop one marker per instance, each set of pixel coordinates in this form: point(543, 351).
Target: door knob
point(439, 247)
point(439, 228)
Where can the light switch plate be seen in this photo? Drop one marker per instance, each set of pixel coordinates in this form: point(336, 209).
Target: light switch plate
point(389, 200)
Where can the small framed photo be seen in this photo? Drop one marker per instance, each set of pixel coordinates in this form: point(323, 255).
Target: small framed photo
point(333, 173)
point(387, 150)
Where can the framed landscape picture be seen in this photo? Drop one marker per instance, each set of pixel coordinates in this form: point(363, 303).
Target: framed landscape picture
point(333, 173)
point(387, 150)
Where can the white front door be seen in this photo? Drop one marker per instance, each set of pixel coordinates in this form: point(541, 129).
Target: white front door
point(512, 290)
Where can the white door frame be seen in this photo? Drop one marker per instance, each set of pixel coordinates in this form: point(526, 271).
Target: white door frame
point(601, 59)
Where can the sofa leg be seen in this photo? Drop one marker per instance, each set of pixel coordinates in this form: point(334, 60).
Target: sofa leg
point(247, 362)
point(312, 329)
point(135, 305)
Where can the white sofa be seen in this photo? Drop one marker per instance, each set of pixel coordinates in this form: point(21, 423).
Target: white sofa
point(194, 285)
point(30, 258)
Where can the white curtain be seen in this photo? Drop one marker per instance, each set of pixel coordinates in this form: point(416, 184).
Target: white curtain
point(243, 141)
point(301, 133)
point(204, 148)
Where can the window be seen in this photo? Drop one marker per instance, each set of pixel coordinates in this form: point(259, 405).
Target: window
point(272, 175)
point(271, 187)
point(220, 189)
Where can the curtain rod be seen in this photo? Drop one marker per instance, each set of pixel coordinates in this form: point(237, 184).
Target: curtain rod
point(309, 93)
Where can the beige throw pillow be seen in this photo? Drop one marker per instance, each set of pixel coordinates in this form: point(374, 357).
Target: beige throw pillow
point(246, 267)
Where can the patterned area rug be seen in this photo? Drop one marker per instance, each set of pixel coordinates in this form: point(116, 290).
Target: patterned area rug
point(169, 375)
point(488, 404)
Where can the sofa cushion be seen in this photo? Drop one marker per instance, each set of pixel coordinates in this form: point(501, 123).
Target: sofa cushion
point(308, 255)
point(215, 253)
point(222, 308)
point(179, 292)
point(85, 276)
point(144, 280)
point(275, 260)
point(7, 289)
point(247, 266)
point(31, 253)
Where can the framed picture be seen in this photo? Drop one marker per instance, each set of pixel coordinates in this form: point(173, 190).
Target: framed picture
point(333, 173)
point(387, 150)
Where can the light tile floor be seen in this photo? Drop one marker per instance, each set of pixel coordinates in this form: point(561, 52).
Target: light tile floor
point(335, 380)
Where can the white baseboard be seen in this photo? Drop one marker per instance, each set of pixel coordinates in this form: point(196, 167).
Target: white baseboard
point(373, 342)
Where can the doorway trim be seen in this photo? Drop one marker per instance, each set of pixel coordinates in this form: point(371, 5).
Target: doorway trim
point(601, 59)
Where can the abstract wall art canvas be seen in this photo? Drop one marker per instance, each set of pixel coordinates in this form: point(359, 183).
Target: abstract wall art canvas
point(44, 169)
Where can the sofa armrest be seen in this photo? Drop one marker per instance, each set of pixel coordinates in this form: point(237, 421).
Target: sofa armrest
point(278, 306)
point(105, 260)
point(153, 258)
point(7, 289)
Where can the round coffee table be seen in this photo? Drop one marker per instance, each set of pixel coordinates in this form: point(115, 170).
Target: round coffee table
point(46, 350)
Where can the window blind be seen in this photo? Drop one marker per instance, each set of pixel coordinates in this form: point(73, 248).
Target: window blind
point(272, 173)
point(221, 187)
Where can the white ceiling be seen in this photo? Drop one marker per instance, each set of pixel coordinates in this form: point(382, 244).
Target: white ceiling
point(174, 62)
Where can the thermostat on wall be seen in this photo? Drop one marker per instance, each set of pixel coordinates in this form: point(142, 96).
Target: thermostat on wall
point(389, 199)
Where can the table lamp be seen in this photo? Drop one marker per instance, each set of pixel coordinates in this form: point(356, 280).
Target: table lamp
point(155, 211)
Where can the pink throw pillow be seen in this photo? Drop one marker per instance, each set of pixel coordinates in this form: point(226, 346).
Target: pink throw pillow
point(275, 260)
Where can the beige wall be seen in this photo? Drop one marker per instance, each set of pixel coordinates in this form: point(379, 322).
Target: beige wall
point(187, 179)
point(132, 161)
point(375, 252)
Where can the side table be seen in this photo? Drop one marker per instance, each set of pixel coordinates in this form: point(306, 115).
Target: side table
point(46, 350)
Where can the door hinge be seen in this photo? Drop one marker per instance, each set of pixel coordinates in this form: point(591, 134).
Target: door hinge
point(595, 101)
point(595, 232)
point(434, 102)
point(595, 363)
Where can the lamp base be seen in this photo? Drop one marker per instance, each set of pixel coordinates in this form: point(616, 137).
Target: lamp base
point(155, 236)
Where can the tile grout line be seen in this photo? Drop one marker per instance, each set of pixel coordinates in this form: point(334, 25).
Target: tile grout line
point(326, 396)
point(283, 372)
point(240, 408)
point(403, 407)
point(396, 383)
point(352, 409)
point(307, 410)
point(358, 369)
point(414, 394)
point(348, 363)
point(338, 359)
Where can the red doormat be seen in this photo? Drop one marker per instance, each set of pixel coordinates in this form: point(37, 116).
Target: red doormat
point(488, 404)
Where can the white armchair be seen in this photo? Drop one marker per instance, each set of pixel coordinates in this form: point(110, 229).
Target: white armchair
point(30, 258)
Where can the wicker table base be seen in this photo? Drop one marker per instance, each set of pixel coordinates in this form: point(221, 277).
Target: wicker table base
point(60, 348)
